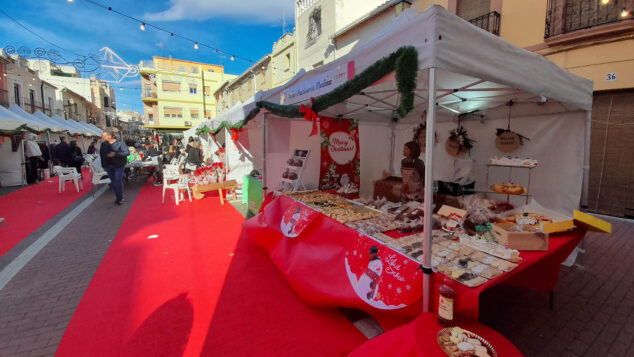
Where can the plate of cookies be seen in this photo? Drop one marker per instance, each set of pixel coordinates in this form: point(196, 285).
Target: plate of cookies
point(458, 342)
point(509, 188)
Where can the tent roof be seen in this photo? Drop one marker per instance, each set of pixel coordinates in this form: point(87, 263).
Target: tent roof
point(10, 121)
point(55, 125)
point(90, 130)
point(477, 70)
point(33, 122)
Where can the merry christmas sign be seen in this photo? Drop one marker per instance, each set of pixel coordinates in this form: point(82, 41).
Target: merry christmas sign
point(340, 160)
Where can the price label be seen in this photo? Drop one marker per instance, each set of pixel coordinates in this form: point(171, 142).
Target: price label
point(610, 77)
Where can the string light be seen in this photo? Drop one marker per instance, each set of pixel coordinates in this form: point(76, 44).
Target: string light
point(196, 43)
point(142, 27)
point(624, 12)
point(605, 2)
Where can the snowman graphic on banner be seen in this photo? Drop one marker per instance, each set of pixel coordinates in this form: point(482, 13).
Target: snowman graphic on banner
point(380, 277)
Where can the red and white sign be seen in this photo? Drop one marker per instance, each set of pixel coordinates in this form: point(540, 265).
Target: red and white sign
point(295, 219)
point(340, 159)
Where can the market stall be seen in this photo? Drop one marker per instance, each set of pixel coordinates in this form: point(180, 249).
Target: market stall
point(459, 93)
point(12, 128)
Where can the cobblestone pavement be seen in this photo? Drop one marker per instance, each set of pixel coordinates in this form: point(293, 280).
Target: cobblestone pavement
point(593, 312)
point(36, 306)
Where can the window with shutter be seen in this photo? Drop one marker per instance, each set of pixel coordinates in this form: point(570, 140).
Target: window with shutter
point(172, 86)
point(207, 91)
point(208, 114)
point(173, 112)
point(194, 114)
point(470, 9)
point(193, 88)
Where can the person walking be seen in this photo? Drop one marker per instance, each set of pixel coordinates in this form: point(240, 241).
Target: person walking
point(114, 155)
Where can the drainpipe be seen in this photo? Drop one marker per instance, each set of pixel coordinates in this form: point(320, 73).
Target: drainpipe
point(42, 94)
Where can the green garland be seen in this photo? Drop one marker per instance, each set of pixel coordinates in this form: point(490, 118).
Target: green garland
point(203, 130)
point(403, 61)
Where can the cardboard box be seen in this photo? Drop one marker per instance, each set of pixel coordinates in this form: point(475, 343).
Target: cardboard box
point(520, 240)
point(560, 222)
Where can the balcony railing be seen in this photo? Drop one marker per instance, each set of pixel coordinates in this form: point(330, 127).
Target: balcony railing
point(488, 22)
point(4, 98)
point(564, 16)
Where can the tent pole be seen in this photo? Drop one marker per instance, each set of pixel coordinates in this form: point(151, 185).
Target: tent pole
point(392, 143)
point(586, 162)
point(263, 117)
point(429, 185)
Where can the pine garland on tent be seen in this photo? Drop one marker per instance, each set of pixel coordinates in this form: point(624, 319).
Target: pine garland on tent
point(404, 62)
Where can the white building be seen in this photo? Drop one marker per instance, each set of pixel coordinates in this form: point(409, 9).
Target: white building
point(97, 92)
point(329, 29)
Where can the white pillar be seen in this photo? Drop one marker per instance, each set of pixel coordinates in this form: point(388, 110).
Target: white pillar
point(429, 186)
point(586, 162)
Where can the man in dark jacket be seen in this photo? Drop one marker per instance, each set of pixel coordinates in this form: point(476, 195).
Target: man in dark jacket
point(114, 155)
point(62, 152)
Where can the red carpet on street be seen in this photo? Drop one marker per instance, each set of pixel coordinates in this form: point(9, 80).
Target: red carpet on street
point(26, 209)
point(181, 281)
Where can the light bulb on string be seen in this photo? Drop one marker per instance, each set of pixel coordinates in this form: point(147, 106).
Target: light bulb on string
point(196, 45)
point(605, 2)
point(624, 13)
point(142, 27)
point(70, 0)
point(233, 58)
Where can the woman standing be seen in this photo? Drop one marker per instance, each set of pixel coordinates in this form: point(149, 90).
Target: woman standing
point(194, 157)
point(413, 173)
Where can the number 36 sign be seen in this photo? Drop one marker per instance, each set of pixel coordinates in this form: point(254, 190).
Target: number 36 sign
point(610, 77)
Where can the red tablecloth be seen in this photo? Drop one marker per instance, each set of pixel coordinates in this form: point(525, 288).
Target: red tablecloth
point(329, 264)
point(419, 338)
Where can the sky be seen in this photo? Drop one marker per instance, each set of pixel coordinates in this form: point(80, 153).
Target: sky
point(244, 28)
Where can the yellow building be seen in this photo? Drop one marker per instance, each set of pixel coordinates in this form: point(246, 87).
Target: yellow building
point(177, 94)
point(284, 59)
point(593, 39)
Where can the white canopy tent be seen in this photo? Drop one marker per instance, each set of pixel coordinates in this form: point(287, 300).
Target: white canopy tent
point(11, 162)
point(240, 156)
point(461, 69)
point(33, 122)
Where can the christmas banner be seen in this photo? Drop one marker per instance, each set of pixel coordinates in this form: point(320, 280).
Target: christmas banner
point(339, 154)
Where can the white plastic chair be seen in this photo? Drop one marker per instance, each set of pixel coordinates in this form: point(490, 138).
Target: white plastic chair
point(174, 181)
point(98, 177)
point(68, 174)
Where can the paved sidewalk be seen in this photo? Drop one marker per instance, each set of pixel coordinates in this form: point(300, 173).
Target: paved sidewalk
point(593, 312)
point(36, 306)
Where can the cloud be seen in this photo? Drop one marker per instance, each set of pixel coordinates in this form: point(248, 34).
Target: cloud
point(254, 11)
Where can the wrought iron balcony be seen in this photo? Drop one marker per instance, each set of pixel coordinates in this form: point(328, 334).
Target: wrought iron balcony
point(488, 22)
point(565, 16)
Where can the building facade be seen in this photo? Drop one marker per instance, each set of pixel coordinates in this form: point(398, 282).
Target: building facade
point(592, 39)
point(4, 93)
point(130, 123)
point(177, 94)
point(98, 95)
point(319, 22)
point(257, 77)
point(25, 88)
point(284, 59)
